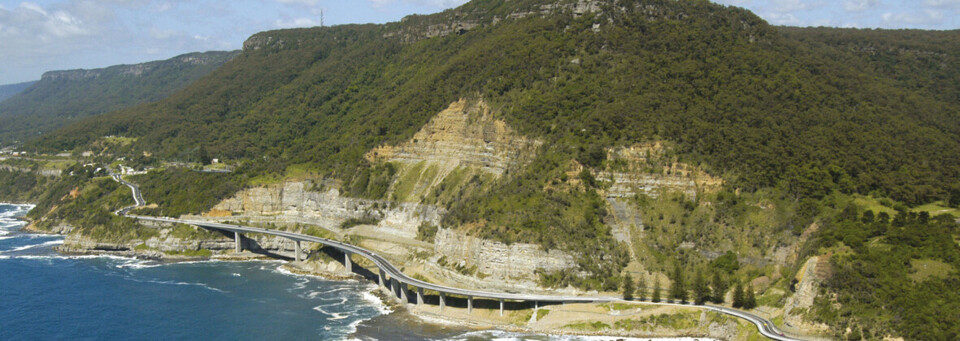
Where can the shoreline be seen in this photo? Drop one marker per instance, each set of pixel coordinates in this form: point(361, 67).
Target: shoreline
point(315, 268)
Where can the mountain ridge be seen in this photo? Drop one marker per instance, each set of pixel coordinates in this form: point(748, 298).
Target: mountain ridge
point(61, 97)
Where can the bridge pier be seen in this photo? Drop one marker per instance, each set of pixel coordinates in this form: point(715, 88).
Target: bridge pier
point(501, 307)
point(296, 253)
point(403, 293)
point(237, 241)
point(469, 304)
point(419, 297)
point(346, 262)
point(443, 301)
point(383, 277)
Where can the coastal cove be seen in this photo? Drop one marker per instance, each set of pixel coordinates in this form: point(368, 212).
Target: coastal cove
point(48, 295)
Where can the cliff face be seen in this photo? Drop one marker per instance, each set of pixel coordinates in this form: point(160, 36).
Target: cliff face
point(465, 134)
point(511, 262)
point(646, 169)
point(292, 202)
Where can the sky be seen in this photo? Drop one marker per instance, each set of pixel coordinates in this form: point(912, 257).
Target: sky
point(42, 35)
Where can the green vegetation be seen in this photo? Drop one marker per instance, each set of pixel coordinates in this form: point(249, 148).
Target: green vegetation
point(588, 326)
point(908, 263)
point(65, 97)
point(191, 253)
point(742, 98)
point(368, 220)
point(676, 321)
point(541, 313)
point(628, 288)
point(180, 191)
point(426, 232)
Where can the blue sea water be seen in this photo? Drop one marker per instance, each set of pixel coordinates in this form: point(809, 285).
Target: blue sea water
point(48, 296)
point(44, 295)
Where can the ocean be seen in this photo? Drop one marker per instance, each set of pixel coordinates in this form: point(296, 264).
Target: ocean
point(48, 296)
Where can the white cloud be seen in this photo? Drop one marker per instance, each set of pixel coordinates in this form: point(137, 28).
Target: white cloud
point(942, 3)
point(296, 22)
point(912, 19)
point(859, 5)
point(786, 19)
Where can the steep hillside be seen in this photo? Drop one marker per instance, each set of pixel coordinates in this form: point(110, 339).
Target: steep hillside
point(7, 91)
point(657, 138)
point(64, 97)
point(730, 90)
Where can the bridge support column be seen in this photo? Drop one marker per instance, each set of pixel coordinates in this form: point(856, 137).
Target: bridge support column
point(419, 297)
point(501, 307)
point(237, 241)
point(347, 263)
point(297, 251)
point(469, 304)
point(383, 278)
point(443, 301)
point(403, 293)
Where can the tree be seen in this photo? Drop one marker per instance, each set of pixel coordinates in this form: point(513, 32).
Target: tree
point(867, 217)
point(701, 292)
point(954, 200)
point(883, 218)
point(656, 289)
point(719, 288)
point(749, 300)
point(203, 156)
point(727, 262)
point(738, 295)
point(678, 289)
point(642, 288)
point(628, 287)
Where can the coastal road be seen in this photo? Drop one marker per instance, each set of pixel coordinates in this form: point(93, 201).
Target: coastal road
point(765, 327)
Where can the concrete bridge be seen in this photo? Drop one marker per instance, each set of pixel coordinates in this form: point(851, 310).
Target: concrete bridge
point(403, 286)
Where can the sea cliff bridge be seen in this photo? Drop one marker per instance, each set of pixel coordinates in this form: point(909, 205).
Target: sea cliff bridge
point(403, 286)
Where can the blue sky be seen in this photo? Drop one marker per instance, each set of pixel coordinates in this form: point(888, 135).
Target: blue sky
point(42, 35)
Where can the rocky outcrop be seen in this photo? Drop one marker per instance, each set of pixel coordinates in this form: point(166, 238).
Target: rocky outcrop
point(464, 19)
point(137, 70)
point(465, 134)
point(499, 260)
point(646, 169)
point(42, 172)
point(806, 291)
point(291, 202)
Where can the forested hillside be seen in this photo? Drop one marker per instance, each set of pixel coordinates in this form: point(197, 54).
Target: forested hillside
point(7, 91)
point(64, 97)
point(807, 128)
point(762, 107)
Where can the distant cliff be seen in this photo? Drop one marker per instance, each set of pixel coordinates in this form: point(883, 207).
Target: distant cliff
point(62, 97)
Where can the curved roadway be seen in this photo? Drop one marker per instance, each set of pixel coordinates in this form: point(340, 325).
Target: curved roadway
point(765, 327)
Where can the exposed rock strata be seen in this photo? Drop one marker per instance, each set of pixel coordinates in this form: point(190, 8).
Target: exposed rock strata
point(465, 134)
point(514, 261)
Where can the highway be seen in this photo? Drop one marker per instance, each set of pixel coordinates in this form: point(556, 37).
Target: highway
point(765, 327)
